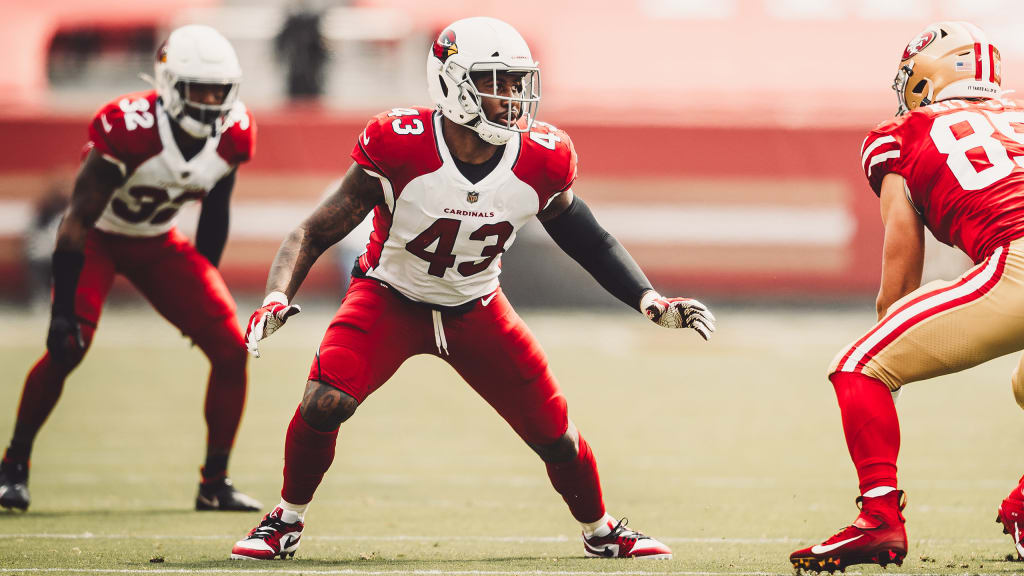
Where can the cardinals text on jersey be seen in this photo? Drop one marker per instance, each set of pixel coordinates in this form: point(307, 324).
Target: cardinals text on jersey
point(134, 133)
point(962, 164)
point(439, 238)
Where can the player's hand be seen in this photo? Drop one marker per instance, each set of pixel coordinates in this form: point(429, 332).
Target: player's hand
point(678, 313)
point(64, 340)
point(267, 319)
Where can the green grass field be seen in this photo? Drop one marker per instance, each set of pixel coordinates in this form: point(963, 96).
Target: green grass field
point(731, 452)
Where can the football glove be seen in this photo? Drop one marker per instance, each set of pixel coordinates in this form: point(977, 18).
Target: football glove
point(267, 319)
point(64, 340)
point(678, 313)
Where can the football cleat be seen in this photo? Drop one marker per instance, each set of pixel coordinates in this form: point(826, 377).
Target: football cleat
point(221, 495)
point(877, 536)
point(1011, 516)
point(14, 485)
point(271, 538)
point(622, 542)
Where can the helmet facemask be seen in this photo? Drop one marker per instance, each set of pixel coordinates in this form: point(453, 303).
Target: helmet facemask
point(899, 84)
point(519, 88)
point(205, 102)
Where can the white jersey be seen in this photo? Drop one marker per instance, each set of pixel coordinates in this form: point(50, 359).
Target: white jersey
point(134, 133)
point(438, 238)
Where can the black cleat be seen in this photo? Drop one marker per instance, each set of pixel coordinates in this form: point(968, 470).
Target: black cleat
point(14, 485)
point(221, 495)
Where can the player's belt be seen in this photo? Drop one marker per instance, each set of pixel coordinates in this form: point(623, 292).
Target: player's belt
point(357, 272)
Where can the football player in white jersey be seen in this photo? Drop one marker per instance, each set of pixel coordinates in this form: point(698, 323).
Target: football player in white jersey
point(449, 187)
point(148, 154)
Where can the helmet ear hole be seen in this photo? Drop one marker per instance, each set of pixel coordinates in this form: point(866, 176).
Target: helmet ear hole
point(444, 87)
point(919, 88)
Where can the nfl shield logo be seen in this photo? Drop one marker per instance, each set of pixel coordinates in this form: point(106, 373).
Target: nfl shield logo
point(472, 197)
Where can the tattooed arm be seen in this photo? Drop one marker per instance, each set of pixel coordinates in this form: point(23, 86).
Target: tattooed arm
point(332, 220)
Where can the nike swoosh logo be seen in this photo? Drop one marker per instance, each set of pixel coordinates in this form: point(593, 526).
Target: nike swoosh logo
point(366, 139)
point(823, 549)
point(106, 125)
point(487, 299)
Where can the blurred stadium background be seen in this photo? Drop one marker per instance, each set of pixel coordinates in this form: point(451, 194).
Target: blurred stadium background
point(740, 120)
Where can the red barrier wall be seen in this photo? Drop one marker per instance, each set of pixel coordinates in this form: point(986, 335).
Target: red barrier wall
point(647, 166)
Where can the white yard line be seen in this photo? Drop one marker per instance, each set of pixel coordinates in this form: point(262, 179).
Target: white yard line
point(447, 538)
point(356, 572)
point(393, 572)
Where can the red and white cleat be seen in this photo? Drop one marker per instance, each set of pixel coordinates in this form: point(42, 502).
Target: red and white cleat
point(622, 542)
point(877, 536)
point(271, 538)
point(1011, 515)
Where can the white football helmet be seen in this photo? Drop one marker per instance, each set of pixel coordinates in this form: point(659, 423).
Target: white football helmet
point(474, 45)
point(197, 55)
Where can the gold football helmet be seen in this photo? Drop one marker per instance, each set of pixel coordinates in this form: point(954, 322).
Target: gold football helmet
point(947, 60)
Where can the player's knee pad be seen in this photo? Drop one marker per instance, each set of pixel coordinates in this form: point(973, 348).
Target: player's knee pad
point(71, 361)
point(564, 449)
point(1017, 380)
point(324, 407)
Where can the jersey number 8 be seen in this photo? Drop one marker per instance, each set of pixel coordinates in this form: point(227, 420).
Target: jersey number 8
point(960, 151)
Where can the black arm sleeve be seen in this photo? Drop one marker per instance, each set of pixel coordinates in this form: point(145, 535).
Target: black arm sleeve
point(67, 266)
point(578, 234)
point(212, 232)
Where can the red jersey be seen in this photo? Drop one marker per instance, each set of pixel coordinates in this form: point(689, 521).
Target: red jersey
point(134, 133)
point(438, 238)
point(962, 162)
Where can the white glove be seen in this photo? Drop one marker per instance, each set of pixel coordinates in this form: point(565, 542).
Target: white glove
point(267, 319)
point(678, 313)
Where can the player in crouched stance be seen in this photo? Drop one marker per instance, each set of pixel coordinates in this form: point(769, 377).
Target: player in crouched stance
point(148, 154)
point(449, 188)
point(951, 162)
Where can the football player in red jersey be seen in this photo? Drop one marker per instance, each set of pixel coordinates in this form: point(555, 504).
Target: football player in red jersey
point(950, 162)
point(148, 154)
point(449, 187)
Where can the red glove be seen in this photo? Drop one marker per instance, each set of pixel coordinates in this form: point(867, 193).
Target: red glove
point(267, 319)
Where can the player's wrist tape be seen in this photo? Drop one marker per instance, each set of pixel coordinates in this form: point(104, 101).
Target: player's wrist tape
point(649, 297)
point(67, 267)
point(276, 297)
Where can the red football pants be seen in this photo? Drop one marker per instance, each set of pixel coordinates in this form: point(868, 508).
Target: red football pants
point(184, 288)
point(375, 331)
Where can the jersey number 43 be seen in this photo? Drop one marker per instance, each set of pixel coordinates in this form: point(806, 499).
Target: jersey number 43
point(444, 232)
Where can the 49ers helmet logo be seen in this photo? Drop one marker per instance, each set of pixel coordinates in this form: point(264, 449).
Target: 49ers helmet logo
point(445, 45)
point(918, 44)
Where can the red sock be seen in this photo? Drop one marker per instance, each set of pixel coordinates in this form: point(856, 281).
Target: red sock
point(39, 396)
point(578, 483)
point(225, 402)
point(308, 454)
point(871, 426)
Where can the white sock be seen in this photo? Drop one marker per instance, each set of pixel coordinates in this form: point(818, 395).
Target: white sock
point(292, 513)
point(600, 528)
point(879, 491)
